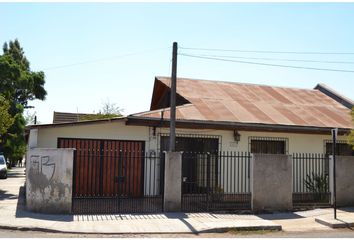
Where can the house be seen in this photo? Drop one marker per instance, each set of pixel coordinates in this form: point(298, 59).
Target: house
point(226, 120)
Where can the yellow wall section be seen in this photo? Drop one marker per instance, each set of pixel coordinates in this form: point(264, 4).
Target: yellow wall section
point(304, 143)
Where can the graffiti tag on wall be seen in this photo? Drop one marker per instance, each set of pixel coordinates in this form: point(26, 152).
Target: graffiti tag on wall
point(42, 165)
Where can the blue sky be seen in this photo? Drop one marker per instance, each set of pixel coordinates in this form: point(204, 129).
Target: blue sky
point(66, 33)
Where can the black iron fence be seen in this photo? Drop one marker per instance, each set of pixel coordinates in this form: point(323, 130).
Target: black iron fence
point(215, 181)
point(311, 179)
point(111, 180)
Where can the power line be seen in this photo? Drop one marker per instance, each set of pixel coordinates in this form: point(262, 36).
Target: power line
point(104, 59)
point(268, 64)
point(259, 51)
point(275, 59)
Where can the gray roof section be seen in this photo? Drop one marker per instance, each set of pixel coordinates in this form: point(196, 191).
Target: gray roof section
point(335, 95)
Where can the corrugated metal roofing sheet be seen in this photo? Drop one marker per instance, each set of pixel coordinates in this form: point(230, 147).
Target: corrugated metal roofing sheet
point(251, 103)
point(64, 117)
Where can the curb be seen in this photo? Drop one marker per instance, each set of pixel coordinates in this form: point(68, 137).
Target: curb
point(212, 230)
point(245, 228)
point(335, 223)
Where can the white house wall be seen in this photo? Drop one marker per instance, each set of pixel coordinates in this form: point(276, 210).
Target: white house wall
point(47, 137)
point(297, 143)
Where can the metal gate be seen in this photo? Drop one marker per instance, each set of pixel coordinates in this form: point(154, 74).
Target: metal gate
point(114, 176)
point(311, 180)
point(215, 181)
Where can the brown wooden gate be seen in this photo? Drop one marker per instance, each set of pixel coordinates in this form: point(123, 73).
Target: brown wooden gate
point(109, 175)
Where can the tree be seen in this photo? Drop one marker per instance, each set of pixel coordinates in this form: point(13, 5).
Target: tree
point(19, 85)
point(108, 110)
point(6, 120)
point(18, 82)
point(15, 144)
point(351, 135)
point(30, 118)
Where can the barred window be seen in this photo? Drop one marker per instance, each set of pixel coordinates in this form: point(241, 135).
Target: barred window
point(268, 145)
point(342, 148)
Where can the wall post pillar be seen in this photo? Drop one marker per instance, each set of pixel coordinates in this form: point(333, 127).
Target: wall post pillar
point(173, 182)
point(271, 182)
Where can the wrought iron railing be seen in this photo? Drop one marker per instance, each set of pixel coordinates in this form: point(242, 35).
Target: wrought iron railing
point(310, 179)
point(215, 181)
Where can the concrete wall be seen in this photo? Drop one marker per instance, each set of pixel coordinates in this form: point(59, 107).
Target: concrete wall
point(344, 180)
point(33, 138)
point(173, 182)
point(304, 143)
point(49, 180)
point(271, 182)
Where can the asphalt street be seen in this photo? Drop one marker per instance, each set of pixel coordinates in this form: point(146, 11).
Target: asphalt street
point(340, 233)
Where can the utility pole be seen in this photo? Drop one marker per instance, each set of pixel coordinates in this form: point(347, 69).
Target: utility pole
point(334, 137)
point(173, 99)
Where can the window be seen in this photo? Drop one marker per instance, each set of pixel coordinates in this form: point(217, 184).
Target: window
point(342, 148)
point(268, 145)
point(193, 143)
point(2, 160)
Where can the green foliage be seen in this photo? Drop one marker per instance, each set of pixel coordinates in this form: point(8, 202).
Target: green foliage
point(14, 142)
point(6, 120)
point(317, 183)
point(108, 110)
point(351, 135)
point(18, 85)
point(98, 116)
point(29, 118)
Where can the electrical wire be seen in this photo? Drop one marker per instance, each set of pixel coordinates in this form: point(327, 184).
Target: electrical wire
point(104, 59)
point(275, 52)
point(267, 64)
point(275, 59)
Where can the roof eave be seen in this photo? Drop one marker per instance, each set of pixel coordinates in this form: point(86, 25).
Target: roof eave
point(224, 125)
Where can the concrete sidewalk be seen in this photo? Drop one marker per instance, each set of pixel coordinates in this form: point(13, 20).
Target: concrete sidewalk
point(14, 216)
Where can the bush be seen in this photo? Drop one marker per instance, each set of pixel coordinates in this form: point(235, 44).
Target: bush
point(317, 183)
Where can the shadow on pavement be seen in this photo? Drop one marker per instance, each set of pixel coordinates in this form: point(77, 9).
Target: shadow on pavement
point(181, 217)
point(136, 216)
point(16, 172)
point(21, 211)
point(4, 195)
point(347, 209)
point(280, 216)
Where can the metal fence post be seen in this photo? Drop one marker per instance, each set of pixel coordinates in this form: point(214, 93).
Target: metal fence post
point(208, 179)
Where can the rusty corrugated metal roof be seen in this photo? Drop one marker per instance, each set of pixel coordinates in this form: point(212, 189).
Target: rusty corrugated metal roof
point(251, 103)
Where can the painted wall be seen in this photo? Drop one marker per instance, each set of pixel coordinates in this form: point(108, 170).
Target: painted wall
point(297, 143)
point(49, 180)
point(47, 137)
point(33, 138)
